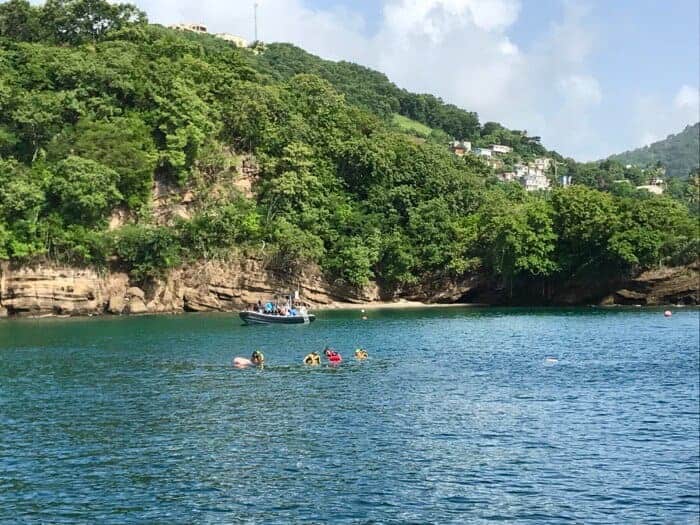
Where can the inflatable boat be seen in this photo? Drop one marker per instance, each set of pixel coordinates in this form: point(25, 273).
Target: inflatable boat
point(253, 317)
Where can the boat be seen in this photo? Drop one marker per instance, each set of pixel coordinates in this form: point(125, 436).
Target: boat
point(253, 317)
point(260, 315)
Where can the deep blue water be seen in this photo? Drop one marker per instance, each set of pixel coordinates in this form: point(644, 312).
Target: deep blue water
point(457, 417)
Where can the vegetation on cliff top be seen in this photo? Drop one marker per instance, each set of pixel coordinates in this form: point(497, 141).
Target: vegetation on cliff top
point(679, 153)
point(96, 106)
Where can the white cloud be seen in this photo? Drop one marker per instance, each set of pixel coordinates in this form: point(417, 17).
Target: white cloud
point(460, 50)
point(580, 90)
point(336, 34)
point(456, 49)
point(508, 48)
point(656, 118)
point(435, 18)
point(687, 98)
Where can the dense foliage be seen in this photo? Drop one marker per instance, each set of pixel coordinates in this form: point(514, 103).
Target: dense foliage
point(679, 153)
point(98, 108)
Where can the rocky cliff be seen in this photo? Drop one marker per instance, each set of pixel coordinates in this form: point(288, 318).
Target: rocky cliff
point(212, 286)
point(664, 286)
point(219, 286)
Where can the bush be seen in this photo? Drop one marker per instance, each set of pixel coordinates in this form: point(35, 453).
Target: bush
point(84, 190)
point(217, 230)
point(147, 252)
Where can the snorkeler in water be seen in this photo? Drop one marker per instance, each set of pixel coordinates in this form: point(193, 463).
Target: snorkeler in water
point(361, 354)
point(312, 359)
point(257, 358)
point(333, 357)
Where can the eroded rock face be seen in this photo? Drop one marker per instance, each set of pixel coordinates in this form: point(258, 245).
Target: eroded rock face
point(230, 286)
point(210, 286)
point(663, 286)
point(136, 292)
point(116, 304)
point(44, 290)
point(136, 306)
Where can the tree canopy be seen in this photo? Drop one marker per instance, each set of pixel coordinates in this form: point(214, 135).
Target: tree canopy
point(105, 121)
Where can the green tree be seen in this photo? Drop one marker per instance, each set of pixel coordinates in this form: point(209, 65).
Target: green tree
point(79, 21)
point(147, 251)
point(84, 191)
point(584, 221)
point(519, 240)
point(19, 20)
point(21, 203)
point(123, 144)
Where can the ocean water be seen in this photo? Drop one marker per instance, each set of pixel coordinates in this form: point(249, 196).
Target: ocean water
point(459, 416)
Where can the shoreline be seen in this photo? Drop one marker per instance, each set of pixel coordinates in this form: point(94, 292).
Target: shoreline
point(357, 307)
point(395, 305)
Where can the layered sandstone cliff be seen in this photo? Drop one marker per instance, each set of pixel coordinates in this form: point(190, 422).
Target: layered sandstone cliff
point(220, 286)
point(212, 286)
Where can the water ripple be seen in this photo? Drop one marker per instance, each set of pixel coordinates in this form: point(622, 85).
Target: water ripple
point(478, 416)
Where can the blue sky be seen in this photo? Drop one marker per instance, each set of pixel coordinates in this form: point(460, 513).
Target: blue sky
point(592, 77)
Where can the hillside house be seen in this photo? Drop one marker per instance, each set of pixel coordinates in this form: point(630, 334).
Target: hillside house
point(656, 190)
point(195, 28)
point(542, 163)
point(499, 148)
point(460, 147)
point(508, 176)
point(521, 170)
point(535, 181)
point(483, 152)
point(232, 39)
point(532, 176)
point(656, 186)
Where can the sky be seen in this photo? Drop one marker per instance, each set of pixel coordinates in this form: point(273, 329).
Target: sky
point(591, 77)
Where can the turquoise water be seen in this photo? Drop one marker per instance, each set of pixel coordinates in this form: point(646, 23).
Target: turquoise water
point(457, 417)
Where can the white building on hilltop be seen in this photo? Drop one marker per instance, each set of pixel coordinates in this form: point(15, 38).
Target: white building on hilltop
point(195, 28)
point(202, 29)
point(233, 39)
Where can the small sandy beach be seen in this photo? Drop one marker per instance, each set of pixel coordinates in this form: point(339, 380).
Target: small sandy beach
point(400, 304)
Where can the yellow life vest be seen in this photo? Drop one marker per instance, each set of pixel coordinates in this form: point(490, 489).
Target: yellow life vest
point(312, 359)
point(361, 354)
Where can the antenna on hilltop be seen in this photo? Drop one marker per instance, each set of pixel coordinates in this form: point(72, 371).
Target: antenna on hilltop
point(255, 19)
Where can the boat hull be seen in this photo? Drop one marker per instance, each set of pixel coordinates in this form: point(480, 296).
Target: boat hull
point(249, 317)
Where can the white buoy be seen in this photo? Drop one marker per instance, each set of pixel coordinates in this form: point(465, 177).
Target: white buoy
point(668, 313)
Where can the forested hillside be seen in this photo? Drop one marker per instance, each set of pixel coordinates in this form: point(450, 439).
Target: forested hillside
point(373, 91)
point(679, 153)
point(98, 108)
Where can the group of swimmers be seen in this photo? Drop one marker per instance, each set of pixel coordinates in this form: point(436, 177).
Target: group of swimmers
point(257, 358)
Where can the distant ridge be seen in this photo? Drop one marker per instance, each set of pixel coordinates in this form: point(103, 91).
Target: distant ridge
point(679, 153)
